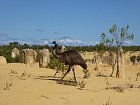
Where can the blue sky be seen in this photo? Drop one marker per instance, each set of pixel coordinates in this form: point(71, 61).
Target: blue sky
point(74, 20)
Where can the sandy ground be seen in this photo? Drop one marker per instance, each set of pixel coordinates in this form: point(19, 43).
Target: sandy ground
point(21, 85)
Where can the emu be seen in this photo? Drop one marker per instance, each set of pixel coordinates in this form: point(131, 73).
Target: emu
point(70, 58)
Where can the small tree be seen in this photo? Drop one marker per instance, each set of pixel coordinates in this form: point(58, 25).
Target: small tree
point(119, 36)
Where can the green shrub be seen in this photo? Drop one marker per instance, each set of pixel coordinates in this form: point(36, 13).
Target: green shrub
point(57, 65)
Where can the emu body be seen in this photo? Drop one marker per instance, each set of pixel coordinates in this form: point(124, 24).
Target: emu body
point(71, 58)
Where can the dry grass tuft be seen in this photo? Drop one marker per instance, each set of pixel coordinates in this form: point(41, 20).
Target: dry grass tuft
point(13, 72)
point(82, 84)
point(108, 102)
point(8, 85)
point(87, 73)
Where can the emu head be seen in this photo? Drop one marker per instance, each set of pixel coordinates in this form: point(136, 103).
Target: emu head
point(55, 45)
point(54, 42)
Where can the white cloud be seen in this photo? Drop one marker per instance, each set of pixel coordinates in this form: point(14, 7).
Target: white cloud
point(129, 43)
point(61, 41)
point(69, 41)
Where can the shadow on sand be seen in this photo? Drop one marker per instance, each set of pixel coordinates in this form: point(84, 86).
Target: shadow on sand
point(57, 80)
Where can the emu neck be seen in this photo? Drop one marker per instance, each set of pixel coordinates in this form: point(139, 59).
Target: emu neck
point(55, 53)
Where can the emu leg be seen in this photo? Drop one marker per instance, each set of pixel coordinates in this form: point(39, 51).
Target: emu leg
point(74, 74)
point(65, 73)
point(55, 74)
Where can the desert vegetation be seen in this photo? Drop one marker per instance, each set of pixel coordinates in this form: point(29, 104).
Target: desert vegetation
point(5, 50)
point(99, 83)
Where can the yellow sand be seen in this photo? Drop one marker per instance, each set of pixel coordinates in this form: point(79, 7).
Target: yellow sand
point(37, 87)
